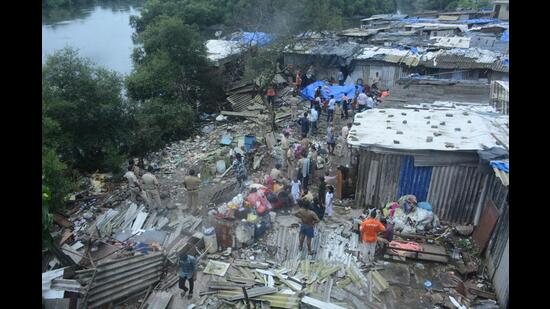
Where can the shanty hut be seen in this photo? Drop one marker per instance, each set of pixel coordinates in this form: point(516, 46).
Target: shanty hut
point(431, 153)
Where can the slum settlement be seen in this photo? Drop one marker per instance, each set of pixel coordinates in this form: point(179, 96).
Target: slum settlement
point(371, 172)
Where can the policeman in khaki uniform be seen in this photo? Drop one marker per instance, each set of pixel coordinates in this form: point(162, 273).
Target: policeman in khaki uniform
point(191, 184)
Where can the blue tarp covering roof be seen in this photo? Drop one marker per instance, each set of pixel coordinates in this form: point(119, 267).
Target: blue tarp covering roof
point(327, 90)
point(419, 20)
point(259, 38)
point(501, 165)
point(505, 36)
point(480, 21)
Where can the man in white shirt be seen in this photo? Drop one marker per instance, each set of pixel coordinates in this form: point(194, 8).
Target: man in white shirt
point(313, 117)
point(344, 139)
point(362, 101)
point(330, 108)
point(370, 102)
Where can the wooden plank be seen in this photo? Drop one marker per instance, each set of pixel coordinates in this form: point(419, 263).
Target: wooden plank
point(482, 232)
point(61, 221)
point(159, 300)
point(240, 114)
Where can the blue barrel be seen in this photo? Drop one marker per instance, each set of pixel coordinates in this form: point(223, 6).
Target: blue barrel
point(249, 141)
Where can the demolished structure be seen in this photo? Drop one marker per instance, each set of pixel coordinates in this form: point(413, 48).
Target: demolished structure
point(438, 138)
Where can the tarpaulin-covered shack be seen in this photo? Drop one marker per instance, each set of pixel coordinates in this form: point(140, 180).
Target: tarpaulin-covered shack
point(432, 154)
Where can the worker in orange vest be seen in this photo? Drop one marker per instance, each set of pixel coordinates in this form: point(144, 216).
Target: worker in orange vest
point(369, 230)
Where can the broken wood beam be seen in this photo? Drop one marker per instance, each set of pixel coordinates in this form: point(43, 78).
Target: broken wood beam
point(240, 114)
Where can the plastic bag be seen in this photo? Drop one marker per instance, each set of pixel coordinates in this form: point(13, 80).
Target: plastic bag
point(425, 205)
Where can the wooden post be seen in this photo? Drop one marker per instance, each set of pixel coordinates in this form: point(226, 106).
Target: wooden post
point(339, 184)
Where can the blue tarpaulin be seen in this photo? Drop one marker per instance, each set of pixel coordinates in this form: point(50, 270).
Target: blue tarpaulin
point(259, 38)
point(327, 90)
point(480, 21)
point(505, 36)
point(419, 20)
point(501, 165)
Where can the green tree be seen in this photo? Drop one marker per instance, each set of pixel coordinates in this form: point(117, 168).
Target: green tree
point(85, 114)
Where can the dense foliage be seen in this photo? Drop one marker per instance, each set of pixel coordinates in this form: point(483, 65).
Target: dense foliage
point(85, 114)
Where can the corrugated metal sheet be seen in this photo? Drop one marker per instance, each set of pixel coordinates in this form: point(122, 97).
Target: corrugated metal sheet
point(446, 61)
point(240, 101)
point(501, 276)
point(454, 192)
point(378, 178)
point(414, 179)
point(119, 278)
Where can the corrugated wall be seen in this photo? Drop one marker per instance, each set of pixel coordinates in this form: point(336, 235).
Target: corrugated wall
point(454, 192)
point(378, 178)
point(498, 249)
point(414, 179)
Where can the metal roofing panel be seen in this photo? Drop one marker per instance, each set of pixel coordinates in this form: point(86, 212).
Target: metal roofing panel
point(118, 278)
point(454, 192)
point(414, 180)
point(410, 129)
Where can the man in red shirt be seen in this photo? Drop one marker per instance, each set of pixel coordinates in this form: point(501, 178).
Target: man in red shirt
point(369, 229)
point(271, 95)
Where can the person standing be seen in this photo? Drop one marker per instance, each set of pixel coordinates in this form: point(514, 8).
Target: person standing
point(239, 168)
point(304, 142)
point(370, 102)
point(331, 140)
point(151, 187)
point(330, 108)
point(313, 160)
point(271, 96)
point(322, 190)
point(192, 184)
point(387, 235)
point(355, 98)
point(294, 101)
point(303, 169)
point(361, 101)
point(340, 78)
point(304, 123)
point(329, 198)
point(298, 80)
point(318, 93)
point(369, 229)
point(345, 105)
point(295, 189)
point(318, 208)
point(290, 163)
point(284, 146)
point(134, 168)
point(313, 117)
point(375, 81)
point(345, 132)
point(188, 266)
point(276, 173)
point(330, 180)
point(309, 219)
point(133, 186)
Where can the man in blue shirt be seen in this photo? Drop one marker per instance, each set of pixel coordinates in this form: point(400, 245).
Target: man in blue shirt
point(188, 266)
point(330, 108)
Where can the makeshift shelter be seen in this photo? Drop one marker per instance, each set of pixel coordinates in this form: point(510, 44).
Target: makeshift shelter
point(432, 154)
